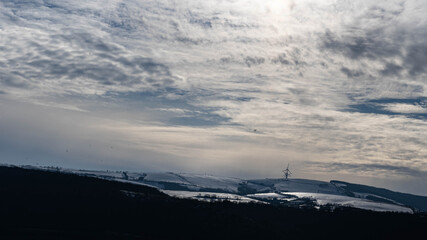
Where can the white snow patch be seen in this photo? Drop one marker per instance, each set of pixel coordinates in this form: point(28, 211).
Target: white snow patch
point(271, 196)
point(208, 181)
point(210, 196)
point(196, 181)
point(165, 177)
point(323, 199)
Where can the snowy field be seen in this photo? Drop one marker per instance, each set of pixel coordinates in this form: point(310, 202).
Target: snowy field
point(210, 196)
point(298, 185)
point(195, 181)
point(318, 198)
point(323, 199)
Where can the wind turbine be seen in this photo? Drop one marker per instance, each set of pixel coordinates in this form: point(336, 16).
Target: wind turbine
point(287, 172)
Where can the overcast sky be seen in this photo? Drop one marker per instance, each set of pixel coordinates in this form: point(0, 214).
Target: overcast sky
point(336, 88)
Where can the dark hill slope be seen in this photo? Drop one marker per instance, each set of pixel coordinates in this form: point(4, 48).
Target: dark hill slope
point(49, 205)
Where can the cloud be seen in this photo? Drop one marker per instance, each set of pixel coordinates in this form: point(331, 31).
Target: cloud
point(416, 58)
point(384, 35)
point(174, 107)
point(406, 108)
point(369, 169)
point(391, 69)
point(355, 47)
point(86, 57)
point(412, 107)
point(187, 82)
point(351, 73)
point(13, 79)
point(250, 61)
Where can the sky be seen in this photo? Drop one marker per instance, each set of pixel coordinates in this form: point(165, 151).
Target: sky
point(336, 88)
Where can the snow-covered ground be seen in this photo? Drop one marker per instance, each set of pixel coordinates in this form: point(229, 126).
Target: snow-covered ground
point(165, 177)
point(213, 188)
point(298, 185)
point(318, 198)
point(213, 182)
point(272, 196)
point(210, 196)
point(195, 182)
point(367, 195)
point(323, 199)
point(267, 190)
point(231, 185)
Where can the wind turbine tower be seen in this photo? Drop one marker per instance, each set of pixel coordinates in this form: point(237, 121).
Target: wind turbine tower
point(287, 173)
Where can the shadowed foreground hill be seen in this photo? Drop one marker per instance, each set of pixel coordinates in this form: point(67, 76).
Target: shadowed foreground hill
point(48, 205)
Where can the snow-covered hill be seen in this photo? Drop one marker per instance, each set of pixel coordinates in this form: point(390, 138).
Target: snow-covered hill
point(292, 192)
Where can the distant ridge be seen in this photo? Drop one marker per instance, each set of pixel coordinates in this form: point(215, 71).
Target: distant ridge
point(415, 201)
